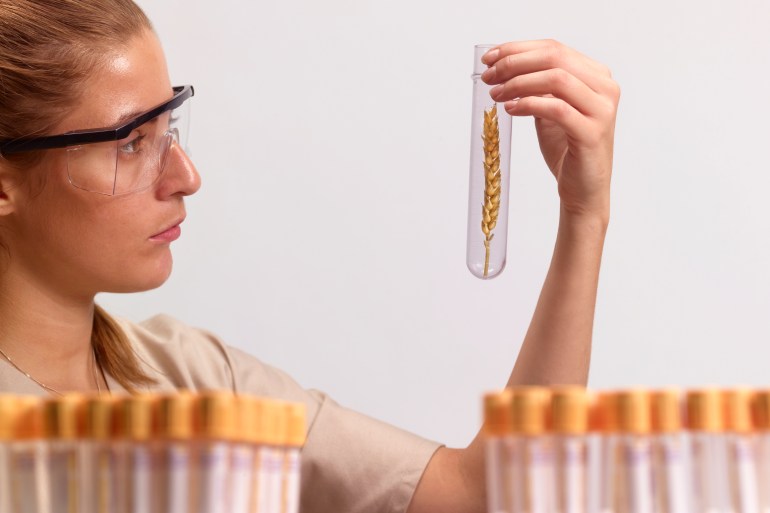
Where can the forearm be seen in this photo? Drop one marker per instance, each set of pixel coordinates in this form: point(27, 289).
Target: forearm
point(557, 346)
point(556, 350)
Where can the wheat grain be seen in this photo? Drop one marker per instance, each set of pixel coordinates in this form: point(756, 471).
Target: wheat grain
point(492, 180)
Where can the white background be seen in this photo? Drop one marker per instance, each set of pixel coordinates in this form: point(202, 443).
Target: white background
point(329, 236)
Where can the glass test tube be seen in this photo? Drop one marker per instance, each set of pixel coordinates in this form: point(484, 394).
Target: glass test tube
point(634, 467)
point(741, 452)
point(671, 482)
point(100, 465)
point(272, 453)
point(215, 429)
point(295, 439)
point(498, 429)
point(705, 422)
point(489, 178)
point(29, 473)
point(593, 457)
point(569, 419)
point(258, 438)
point(606, 424)
point(761, 409)
point(530, 413)
point(243, 454)
point(174, 474)
point(8, 414)
point(60, 427)
point(138, 458)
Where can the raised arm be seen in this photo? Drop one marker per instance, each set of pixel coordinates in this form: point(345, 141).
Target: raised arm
point(574, 102)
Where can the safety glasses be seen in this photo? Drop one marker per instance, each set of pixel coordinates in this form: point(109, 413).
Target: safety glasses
point(122, 159)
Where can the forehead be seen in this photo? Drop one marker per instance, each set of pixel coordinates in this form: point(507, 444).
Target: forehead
point(130, 80)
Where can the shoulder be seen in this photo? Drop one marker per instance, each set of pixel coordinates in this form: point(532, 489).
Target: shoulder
point(165, 333)
point(177, 354)
point(182, 356)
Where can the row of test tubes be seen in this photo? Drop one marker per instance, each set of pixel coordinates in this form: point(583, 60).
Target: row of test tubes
point(213, 452)
point(569, 450)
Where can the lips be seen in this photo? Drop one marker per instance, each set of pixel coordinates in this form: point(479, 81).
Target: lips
point(169, 234)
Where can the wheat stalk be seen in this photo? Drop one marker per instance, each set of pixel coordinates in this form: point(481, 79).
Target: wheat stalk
point(492, 179)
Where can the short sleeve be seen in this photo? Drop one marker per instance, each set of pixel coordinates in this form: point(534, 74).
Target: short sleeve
point(351, 463)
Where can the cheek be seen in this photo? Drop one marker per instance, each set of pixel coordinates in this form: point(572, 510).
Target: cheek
point(101, 242)
point(116, 248)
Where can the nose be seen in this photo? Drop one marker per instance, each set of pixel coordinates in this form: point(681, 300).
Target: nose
point(180, 177)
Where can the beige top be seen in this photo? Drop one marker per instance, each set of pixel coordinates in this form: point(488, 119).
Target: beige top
point(350, 463)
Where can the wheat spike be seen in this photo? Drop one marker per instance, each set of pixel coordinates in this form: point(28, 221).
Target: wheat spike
point(492, 179)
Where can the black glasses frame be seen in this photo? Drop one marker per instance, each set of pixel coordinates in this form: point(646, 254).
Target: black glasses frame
point(11, 146)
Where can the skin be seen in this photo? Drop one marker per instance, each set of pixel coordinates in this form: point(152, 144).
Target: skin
point(66, 244)
point(574, 102)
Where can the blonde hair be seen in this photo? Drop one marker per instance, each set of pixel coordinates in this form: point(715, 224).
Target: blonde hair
point(48, 49)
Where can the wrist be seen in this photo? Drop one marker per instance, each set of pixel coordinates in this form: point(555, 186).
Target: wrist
point(591, 224)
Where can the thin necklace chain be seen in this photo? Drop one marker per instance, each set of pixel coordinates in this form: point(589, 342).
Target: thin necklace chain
point(51, 389)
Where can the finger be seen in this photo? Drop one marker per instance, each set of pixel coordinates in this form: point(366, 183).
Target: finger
point(596, 75)
point(540, 60)
point(498, 52)
point(555, 82)
point(574, 124)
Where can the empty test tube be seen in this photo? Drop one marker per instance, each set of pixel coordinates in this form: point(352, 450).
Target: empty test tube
point(705, 420)
point(101, 480)
point(273, 454)
point(489, 178)
point(29, 472)
point(215, 431)
point(741, 452)
point(60, 427)
point(8, 414)
point(761, 410)
point(174, 456)
point(634, 466)
point(534, 451)
point(136, 418)
point(243, 454)
point(569, 420)
point(499, 465)
point(295, 439)
point(671, 479)
point(606, 424)
point(257, 438)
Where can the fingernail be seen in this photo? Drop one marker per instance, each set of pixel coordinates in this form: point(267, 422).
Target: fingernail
point(489, 74)
point(510, 105)
point(495, 91)
point(490, 56)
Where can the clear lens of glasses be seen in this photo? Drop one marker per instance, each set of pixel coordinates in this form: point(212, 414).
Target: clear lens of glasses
point(131, 164)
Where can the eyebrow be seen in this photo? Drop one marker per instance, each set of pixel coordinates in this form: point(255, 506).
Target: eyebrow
point(127, 117)
point(136, 113)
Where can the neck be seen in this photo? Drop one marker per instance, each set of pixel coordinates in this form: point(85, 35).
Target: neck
point(47, 335)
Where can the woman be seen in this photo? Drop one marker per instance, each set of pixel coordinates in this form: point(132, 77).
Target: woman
point(82, 214)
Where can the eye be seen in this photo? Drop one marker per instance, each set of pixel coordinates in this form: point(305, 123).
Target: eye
point(133, 145)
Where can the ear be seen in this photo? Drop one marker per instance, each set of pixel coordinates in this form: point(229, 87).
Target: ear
point(8, 179)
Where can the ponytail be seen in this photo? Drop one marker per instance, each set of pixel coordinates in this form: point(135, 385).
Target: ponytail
point(114, 353)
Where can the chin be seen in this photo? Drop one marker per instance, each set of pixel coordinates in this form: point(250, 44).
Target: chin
point(139, 285)
point(143, 279)
point(152, 283)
